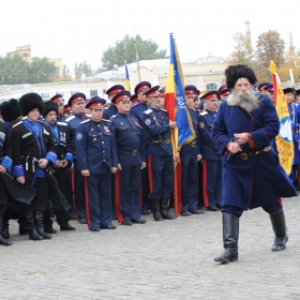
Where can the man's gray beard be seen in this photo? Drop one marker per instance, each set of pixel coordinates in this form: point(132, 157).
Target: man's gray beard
point(246, 99)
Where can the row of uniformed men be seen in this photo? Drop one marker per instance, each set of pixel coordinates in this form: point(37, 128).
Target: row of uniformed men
point(123, 139)
point(123, 146)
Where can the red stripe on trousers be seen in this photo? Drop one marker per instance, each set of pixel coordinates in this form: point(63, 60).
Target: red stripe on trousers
point(73, 193)
point(86, 192)
point(204, 183)
point(117, 197)
point(280, 201)
point(150, 173)
point(178, 171)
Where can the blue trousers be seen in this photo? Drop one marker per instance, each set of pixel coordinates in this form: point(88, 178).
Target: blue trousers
point(145, 188)
point(79, 197)
point(271, 208)
point(128, 195)
point(99, 200)
point(212, 182)
point(161, 176)
point(189, 184)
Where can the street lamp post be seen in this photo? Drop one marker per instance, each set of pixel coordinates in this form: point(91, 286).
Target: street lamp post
point(137, 59)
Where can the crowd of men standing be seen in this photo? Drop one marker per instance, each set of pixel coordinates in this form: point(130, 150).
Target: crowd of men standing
point(109, 160)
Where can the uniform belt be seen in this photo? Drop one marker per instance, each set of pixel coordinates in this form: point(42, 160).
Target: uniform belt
point(157, 142)
point(192, 144)
point(245, 156)
point(133, 152)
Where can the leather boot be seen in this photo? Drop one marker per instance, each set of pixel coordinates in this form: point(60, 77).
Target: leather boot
point(22, 220)
point(164, 209)
point(33, 234)
point(230, 238)
point(39, 217)
point(3, 241)
point(155, 203)
point(5, 228)
point(279, 228)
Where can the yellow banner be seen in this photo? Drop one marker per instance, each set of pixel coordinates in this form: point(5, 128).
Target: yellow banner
point(284, 141)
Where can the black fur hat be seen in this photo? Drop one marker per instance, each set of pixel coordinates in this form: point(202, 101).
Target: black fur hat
point(49, 106)
point(30, 101)
point(234, 73)
point(10, 110)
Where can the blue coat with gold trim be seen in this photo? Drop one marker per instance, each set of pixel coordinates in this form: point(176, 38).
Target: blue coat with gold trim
point(95, 147)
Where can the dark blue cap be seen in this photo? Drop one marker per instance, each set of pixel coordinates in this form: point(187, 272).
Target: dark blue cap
point(121, 96)
point(212, 95)
point(190, 90)
point(134, 98)
point(224, 92)
point(221, 88)
point(96, 102)
point(263, 85)
point(57, 98)
point(153, 91)
point(67, 108)
point(268, 87)
point(115, 89)
point(143, 85)
point(75, 98)
point(163, 90)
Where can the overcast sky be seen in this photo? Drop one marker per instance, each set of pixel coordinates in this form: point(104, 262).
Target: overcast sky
point(77, 30)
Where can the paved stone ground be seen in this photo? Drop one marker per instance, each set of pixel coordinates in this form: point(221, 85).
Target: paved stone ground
point(159, 260)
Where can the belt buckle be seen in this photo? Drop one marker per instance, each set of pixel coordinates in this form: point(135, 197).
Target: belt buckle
point(193, 144)
point(134, 152)
point(244, 156)
point(167, 141)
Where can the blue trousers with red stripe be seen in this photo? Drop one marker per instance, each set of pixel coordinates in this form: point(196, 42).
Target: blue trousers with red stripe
point(128, 193)
point(79, 198)
point(189, 184)
point(212, 182)
point(98, 205)
point(145, 188)
point(161, 176)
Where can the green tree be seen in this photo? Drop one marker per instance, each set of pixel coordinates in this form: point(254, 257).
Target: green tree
point(82, 68)
point(16, 70)
point(13, 70)
point(270, 46)
point(243, 52)
point(125, 50)
point(65, 73)
point(41, 70)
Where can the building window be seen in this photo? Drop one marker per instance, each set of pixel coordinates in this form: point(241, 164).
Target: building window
point(25, 54)
point(211, 86)
point(94, 93)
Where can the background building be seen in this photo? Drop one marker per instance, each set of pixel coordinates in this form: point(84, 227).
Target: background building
point(206, 73)
point(25, 52)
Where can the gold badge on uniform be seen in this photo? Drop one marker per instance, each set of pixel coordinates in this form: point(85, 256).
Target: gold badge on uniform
point(106, 129)
point(201, 125)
